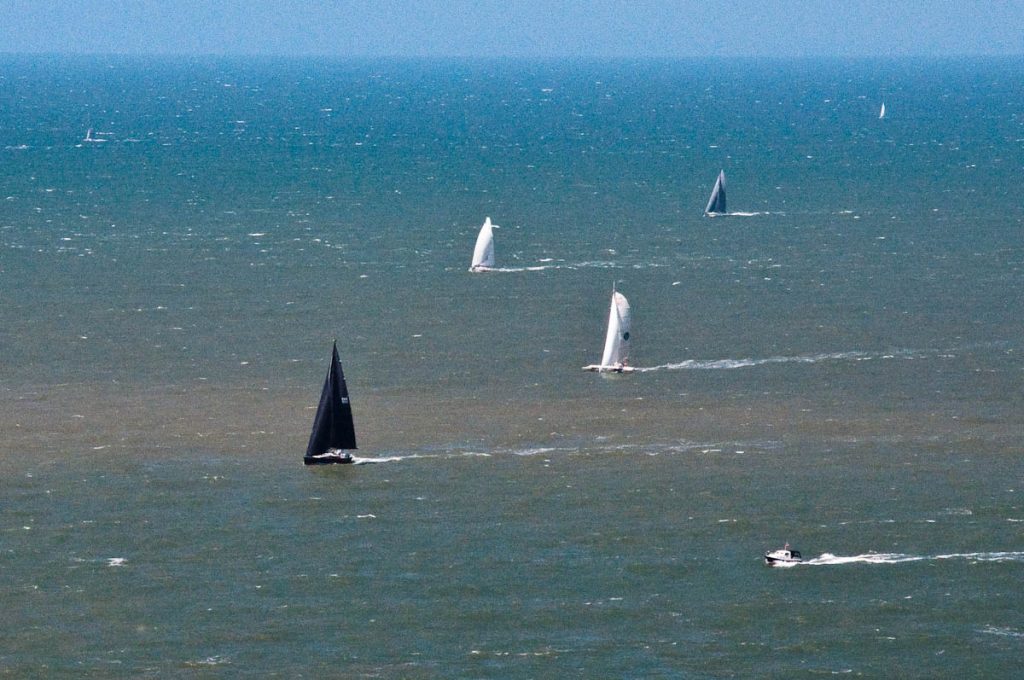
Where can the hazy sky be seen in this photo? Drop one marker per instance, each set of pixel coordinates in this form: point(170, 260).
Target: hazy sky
point(523, 28)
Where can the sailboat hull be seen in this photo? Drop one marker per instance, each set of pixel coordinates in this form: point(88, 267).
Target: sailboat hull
point(609, 369)
point(330, 458)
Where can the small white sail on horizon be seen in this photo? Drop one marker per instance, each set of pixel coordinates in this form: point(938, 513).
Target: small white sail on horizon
point(616, 343)
point(881, 112)
point(716, 204)
point(483, 253)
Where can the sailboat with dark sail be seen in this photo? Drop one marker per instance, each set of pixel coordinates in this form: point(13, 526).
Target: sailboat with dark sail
point(334, 434)
point(716, 204)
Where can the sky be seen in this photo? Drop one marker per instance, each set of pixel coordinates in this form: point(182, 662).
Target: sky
point(516, 28)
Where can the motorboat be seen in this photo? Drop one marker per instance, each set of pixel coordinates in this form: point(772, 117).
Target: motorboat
point(783, 557)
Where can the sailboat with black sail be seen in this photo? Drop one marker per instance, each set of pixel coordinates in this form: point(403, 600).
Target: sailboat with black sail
point(334, 434)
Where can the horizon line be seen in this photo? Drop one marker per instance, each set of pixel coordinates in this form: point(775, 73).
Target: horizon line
point(523, 57)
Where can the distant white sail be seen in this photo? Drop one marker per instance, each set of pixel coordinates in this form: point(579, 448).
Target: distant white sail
point(881, 111)
point(483, 253)
point(616, 343)
point(716, 204)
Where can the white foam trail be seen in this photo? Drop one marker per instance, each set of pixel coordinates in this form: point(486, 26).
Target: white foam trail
point(729, 364)
point(786, 565)
point(567, 265)
point(828, 559)
point(719, 364)
point(868, 558)
point(1002, 632)
point(535, 268)
point(356, 460)
point(385, 459)
point(537, 451)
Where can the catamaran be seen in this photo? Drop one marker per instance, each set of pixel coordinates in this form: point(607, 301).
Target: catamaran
point(716, 204)
point(616, 343)
point(483, 253)
point(334, 434)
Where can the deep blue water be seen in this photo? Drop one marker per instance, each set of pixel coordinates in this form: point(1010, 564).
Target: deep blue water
point(837, 365)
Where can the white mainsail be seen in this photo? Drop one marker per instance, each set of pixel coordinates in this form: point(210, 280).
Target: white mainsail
point(616, 343)
point(483, 253)
point(881, 111)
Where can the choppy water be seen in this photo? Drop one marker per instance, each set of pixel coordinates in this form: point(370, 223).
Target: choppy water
point(839, 366)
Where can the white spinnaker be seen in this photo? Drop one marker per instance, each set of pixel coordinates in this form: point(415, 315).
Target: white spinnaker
point(483, 253)
point(616, 343)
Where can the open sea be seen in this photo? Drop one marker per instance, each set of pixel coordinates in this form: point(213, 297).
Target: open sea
point(838, 365)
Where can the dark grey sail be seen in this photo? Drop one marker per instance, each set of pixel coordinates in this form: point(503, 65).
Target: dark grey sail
point(716, 204)
point(333, 432)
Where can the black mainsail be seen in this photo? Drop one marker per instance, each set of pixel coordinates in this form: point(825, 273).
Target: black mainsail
point(333, 431)
point(716, 204)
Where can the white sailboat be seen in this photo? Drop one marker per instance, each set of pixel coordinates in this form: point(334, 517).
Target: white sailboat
point(881, 112)
point(483, 253)
point(616, 343)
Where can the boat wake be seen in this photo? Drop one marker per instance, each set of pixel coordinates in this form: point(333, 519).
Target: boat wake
point(534, 268)
point(828, 559)
point(720, 364)
point(356, 460)
point(588, 264)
